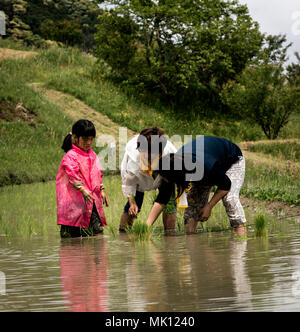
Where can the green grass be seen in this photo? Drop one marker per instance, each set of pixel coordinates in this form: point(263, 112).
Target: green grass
point(12, 44)
point(30, 210)
point(28, 153)
point(269, 183)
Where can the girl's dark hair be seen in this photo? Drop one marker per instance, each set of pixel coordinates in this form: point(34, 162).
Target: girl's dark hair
point(152, 137)
point(172, 167)
point(80, 128)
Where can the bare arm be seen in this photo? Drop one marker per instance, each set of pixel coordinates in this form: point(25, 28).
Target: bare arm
point(218, 195)
point(206, 211)
point(154, 213)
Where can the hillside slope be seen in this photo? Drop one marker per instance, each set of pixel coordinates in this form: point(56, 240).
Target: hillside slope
point(42, 94)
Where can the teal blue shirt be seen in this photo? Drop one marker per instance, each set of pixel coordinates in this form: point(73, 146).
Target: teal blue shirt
point(215, 155)
point(215, 152)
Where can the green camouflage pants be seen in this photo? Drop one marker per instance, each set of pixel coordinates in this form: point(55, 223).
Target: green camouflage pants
point(198, 197)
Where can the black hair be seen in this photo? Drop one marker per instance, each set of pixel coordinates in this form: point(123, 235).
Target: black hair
point(172, 168)
point(80, 128)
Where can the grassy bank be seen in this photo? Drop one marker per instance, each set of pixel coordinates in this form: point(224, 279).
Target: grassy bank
point(269, 183)
point(32, 126)
point(30, 141)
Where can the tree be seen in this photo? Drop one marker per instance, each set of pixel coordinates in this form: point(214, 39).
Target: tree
point(71, 21)
point(65, 31)
point(16, 11)
point(181, 50)
point(293, 71)
point(262, 94)
point(274, 51)
point(265, 93)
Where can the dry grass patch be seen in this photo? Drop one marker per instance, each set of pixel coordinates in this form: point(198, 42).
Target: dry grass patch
point(6, 53)
point(76, 109)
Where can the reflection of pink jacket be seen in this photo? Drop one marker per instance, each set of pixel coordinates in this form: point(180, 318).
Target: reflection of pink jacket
point(78, 166)
point(83, 271)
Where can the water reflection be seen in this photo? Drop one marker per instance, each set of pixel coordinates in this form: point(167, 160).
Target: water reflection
point(203, 272)
point(240, 275)
point(83, 269)
point(182, 274)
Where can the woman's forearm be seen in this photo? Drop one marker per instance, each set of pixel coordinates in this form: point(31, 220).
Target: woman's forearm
point(218, 195)
point(154, 213)
point(131, 200)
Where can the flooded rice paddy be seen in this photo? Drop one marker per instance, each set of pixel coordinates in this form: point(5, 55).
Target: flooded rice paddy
point(216, 271)
point(203, 272)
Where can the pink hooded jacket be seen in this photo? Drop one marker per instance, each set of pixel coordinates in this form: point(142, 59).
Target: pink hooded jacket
point(78, 166)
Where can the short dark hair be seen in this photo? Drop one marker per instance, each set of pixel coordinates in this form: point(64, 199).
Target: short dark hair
point(80, 128)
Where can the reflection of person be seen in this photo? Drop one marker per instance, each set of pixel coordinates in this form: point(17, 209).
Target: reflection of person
point(224, 166)
point(240, 275)
point(83, 269)
point(79, 187)
point(138, 175)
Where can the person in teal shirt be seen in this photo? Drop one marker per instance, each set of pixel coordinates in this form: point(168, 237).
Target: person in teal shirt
point(204, 162)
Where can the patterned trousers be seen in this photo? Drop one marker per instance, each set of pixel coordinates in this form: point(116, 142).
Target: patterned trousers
point(198, 197)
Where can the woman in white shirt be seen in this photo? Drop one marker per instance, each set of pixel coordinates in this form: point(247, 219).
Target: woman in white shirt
point(138, 172)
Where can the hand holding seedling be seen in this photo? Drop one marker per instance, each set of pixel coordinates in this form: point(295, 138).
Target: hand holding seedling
point(133, 210)
point(205, 213)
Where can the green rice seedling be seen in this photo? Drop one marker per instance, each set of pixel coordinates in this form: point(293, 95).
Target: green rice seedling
point(180, 221)
point(140, 231)
point(261, 225)
point(28, 210)
point(218, 222)
point(111, 230)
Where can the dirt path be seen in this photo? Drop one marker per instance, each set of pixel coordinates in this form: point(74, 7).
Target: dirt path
point(245, 145)
point(76, 109)
point(6, 53)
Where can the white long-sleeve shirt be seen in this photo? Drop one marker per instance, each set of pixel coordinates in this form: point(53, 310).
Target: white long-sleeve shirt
point(133, 178)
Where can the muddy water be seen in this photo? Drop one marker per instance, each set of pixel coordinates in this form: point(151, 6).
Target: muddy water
point(203, 272)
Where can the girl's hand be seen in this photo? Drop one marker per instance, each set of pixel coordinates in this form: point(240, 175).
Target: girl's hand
point(88, 197)
point(205, 213)
point(104, 198)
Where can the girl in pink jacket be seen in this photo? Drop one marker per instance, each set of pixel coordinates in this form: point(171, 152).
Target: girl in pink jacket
point(79, 187)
